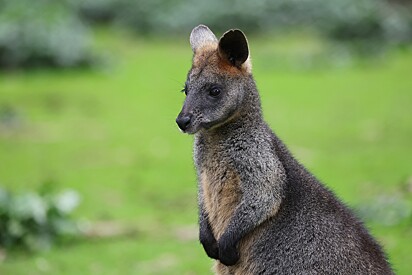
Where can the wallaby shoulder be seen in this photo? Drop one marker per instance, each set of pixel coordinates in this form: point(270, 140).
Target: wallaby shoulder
point(310, 219)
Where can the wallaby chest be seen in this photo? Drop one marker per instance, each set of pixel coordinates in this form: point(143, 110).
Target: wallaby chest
point(220, 188)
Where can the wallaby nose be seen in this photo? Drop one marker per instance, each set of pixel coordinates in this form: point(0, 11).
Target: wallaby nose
point(183, 121)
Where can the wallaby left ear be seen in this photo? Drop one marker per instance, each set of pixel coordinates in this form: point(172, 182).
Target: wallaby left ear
point(233, 47)
point(201, 36)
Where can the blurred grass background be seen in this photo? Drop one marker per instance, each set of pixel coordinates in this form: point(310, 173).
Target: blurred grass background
point(101, 120)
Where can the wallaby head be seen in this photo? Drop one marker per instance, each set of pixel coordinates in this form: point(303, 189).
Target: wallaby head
point(216, 85)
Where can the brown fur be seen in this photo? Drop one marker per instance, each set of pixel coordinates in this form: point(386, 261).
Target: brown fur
point(220, 199)
point(209, 56)
point(221, 195)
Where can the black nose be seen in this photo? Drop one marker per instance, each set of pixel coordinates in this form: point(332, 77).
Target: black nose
point(183, 122)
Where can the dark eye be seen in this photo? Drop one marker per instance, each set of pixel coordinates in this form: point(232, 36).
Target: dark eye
point(214, 92)
point(184, 90)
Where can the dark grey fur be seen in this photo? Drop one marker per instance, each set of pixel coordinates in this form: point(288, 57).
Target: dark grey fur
point(291, 222)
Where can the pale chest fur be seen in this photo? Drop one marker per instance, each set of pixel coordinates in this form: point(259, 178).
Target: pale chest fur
point(219, 185)
point(221, 194)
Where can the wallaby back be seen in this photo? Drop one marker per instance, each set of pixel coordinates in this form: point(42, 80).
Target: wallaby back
point(260, 211)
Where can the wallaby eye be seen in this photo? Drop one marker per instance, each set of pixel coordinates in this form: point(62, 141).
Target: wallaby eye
point(184, 90)
point(214, 92)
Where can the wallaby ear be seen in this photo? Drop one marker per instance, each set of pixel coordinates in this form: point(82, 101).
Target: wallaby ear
point(201, 36)
point(233, 47)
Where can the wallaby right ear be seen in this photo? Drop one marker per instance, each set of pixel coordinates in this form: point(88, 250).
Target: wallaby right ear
point(233, 47)
point(201, 36)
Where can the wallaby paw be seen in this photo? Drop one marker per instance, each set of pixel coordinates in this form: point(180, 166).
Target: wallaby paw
point(229, 257)
point(228, 254)
point(209, 243)
point(212, 250)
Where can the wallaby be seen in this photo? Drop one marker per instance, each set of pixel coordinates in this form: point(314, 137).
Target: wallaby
point(260, 210)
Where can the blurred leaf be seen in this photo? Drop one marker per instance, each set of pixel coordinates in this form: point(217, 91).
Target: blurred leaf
point(27, 206)
point(4, 200)
point(15, 228)
point(343, 20)
point(67, 201)
point(386, 210)
point(42, 33)
point(36, 220)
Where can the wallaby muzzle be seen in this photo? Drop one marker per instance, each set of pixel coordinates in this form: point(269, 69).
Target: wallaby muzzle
point(183, 121)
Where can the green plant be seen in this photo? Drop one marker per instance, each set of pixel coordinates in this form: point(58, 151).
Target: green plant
point(36, 220)
point(386, 210)
point(96, 11)
point(42, 33)
point(342, 20)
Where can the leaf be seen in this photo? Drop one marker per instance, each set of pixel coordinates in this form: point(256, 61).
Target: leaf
point(28, 206)
point(15, 228)
point(386, 210)
point(4, 200)
point(35, 221)
point(66, 201)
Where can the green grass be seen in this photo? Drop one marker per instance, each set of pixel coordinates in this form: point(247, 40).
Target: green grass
point(110, 134)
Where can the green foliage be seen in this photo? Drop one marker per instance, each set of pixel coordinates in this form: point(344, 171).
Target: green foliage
point(387, 210)
point(42, 33)
point(54, 34)
point(365, 20)
point(36, 220)
point(344, 20)
point(97, 11)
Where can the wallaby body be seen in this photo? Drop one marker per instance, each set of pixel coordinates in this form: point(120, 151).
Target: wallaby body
point(260, 211)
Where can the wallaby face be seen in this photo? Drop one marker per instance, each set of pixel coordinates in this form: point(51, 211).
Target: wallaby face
point(260, 210)
point(215, 84)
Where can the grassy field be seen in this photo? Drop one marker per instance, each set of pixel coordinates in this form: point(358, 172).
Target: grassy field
point(110, 134)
